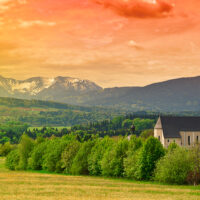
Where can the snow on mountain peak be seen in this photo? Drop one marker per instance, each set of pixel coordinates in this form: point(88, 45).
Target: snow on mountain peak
point(35, 85)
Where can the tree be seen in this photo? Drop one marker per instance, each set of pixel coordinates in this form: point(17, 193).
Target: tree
point(131, 161)
point(52, 156)
point(80, 162)
point(37, 156)
point(147, 133)
point(25, 147)
point(12, 160)
point(194, 175)
point(5, 149)
point(127, 123)
point(68, 155)
point(97, 153)
point(143, 124)
point(151, 152)
point(174, 167)
point(112, 162)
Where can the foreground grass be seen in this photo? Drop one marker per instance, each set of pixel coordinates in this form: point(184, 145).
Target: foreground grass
point(37, 186)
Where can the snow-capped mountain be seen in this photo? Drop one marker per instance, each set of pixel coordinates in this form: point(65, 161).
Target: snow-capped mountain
point(37, 86)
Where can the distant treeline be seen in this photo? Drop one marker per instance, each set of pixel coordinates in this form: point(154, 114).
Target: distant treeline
point(121, 125)
point(137, 158)
point(47, 113)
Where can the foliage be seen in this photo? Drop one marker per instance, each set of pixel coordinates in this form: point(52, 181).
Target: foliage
point(112, 162)
point(36, 158)
point(97, 153)
point(80, 162)
point(174, 167)
point(52, 156)
point(5, 149)
point(130, 163)
point(25, 147)
point(11, 131)
point(12, 160)
point(69, 154)
point(46, 113)
point(151, 152)
point(194, 175)
point(147, 133)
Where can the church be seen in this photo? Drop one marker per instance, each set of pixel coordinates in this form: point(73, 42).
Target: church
point(185, 131)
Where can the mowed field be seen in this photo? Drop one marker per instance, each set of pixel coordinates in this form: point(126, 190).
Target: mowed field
point(38, 186)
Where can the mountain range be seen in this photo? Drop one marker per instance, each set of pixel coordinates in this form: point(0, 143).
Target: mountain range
point(170, 96)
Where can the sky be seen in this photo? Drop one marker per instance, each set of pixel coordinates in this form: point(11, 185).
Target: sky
point(111, 42)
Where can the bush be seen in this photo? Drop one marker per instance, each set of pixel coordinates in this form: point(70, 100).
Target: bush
point(68, 156)
point(97, 153)
point(150, 153)
point(12, 160)
point(80, 162)
point(174, 167)
point(112, 162)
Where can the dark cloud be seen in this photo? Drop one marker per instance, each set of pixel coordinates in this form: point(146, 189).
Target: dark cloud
point(138, 8)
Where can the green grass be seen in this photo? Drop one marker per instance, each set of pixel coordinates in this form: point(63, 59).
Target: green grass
point(36, 186)
point(2, 165)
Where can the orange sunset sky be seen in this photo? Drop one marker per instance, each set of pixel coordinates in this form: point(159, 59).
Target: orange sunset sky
point(111, 42)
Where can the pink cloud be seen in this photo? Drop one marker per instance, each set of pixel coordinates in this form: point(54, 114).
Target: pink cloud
point(138, 8)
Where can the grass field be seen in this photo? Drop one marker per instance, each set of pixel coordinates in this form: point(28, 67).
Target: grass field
point(38, 186)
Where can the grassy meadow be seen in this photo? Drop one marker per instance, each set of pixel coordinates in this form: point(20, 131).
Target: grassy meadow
point(37, 186)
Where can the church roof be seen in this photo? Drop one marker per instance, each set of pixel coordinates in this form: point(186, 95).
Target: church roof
point(173, 125)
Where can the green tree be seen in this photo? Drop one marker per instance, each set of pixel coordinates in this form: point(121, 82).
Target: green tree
point(194, 175)
point(131, 161)
point(80, 162)
point(36, 158)
point(68, 155)
point(174, 167)
point(25, 147)
point(12, 160)
point(113, 159)
point(97, 153)
point(127, 123)
point(151, 152)
point(52, 156)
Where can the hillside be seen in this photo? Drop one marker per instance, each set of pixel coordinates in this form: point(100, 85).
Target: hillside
point(46, 113)
point(170, 96)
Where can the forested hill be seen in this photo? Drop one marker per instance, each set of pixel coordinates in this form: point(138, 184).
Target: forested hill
point(47, 113)
point(13, 102)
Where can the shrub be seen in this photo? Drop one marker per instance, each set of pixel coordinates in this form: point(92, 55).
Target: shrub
point(150, 153)
point(112, 162)
point(12, 160)
point(80, 162)
point(174, 167)
point(68, 156)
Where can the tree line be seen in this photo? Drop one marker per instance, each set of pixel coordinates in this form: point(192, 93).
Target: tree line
point(137, 158)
